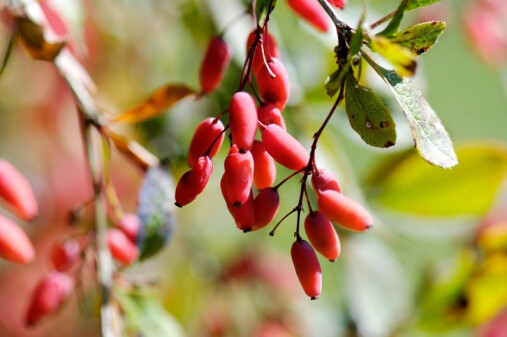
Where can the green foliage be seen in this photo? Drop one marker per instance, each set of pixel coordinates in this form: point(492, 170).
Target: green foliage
point(469, 189)
point(401, 58)
point(368, 116)
point(419, 38)
point(395, 22)
point(414, 4)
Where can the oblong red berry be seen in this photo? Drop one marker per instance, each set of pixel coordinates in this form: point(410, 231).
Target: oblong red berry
point(284, 148)
point(265, 206)
point(325, 180)
point(193, 182)
point(269, 45)
point(14, 244)
point(129, 225)
point(121, 248)
point(307, 268)
point(243, 119)
point(312, 12)
point(268, 113)
point(48, 297)
point(207, 131)
point(215, 63)
point(344, 211)
point(338, 3)
point(17, 192)
point(322, 235)
point(274, 89)
point(264, 166)
point(239, 168)
point(244, 216)
point(66, 254)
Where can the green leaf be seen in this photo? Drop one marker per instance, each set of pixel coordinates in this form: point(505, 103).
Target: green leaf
point(368, 116)
point(430, 136)
point(394, 24)
point(262, 10)
point(156, 211)
point(470, 188)
point(145, 316)
point(7, 54)
point(356, 41)
point(414, 4)
point(334, 81)
point(419, 38)
point(401, 58)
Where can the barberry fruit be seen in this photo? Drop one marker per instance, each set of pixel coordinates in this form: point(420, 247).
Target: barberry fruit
point(265, 206)
point(14, 244)
point(65, 255)
point(338, 3)
point(121, 248)
point(322, 235)
point(344, 211)
point(243, 120)
point(325, 180)
point(268, 44)
point(264, 166)
point(17, 192)
point(268, 113)
point(274, 89)
point(284, 148)
point(129, 225)
point(193, 182)
point(215, 62)
point(244, 215)
point(311, 11)
point(307, 268)
point(239, 168)
point(207, 132)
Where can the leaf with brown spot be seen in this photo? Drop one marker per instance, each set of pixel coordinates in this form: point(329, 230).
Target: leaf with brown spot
point(419, 38)
point(400, 57)
point(161, 99)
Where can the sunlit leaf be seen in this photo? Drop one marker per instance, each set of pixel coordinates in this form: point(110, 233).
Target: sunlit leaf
point(368, 116)
point(470, 188)
point(394, 24)
point(160, 100)
point(32, 37)
point(401, 58)
point(262, 9)
point(7, 54)
point(430, 136)
point(419, 38)
point(414, 4)
point(134, 151)
point(156, 211)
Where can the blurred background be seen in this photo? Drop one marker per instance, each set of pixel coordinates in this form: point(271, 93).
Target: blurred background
point(435, 262)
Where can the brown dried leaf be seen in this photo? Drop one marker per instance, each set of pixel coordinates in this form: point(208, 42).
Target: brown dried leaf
point(134, 151)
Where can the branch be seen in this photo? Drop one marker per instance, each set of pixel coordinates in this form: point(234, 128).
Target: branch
point(340, 25)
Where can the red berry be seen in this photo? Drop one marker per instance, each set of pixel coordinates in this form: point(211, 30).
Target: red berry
point(207, 131)
point(311, 11)
point(14, 244)
point(270, 49)
point(243, 119)
point(48, 297)
point(214, 64)
point(239, 175)
point(121, 248)
point(65, 255)
point(264, 166)
point(17, 192)
point(193, 182)
point(274, 89)
point(322, 235)
point(307, 268)
point(265, 206)
point(344, 211)
point(268, 113)
point(338, 3)
point(325, 180)
point(284, 148)
point(129, 225)
point(244, 215)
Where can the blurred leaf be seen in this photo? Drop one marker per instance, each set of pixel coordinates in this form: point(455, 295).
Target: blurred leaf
point(160, 100)
point(32, 37)
point(419, 38)
point(357, 39)
point(414, 4)
point(7, 54)
point(134, 151)
point(430, 136)
point(394, 24)
point(156, 211)
point(493, 237)
point(401, 58)
point(368, 116)
point(334, 81)
point(145, 316)
point(469, 189)
point(262, 10)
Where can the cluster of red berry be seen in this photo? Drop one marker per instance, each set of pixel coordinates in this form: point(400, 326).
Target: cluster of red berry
point(251, 162)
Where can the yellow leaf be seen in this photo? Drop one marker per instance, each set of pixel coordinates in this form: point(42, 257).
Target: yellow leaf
point(401, 58)
point(33, 39)
point(160, 100)
point(134, 151)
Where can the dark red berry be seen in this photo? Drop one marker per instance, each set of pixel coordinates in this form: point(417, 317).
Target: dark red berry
point(284, 148)
point(322, 235)
point(207, 131)
point(264, 166)
point(193, 182)
point(268, 113)
point(239, 168)
point(265, 205)
point(307, 268)
point(270, 49)
point(312, 12)
point(243, 119)
point(65, 255)
point(274, 89)
point(244, 215)
point(214, 64)
point(325, 180)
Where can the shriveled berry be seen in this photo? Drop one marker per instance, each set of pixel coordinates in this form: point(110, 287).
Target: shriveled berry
point(207, 131)
point(344, 211)
point(65, 255)
point(325, 180)
point(193, 182)
point(14, 244)
point(268, 113)
point(239, 169)
point(244, 215)
point(322, 235)
point(129, 225)
point(264, 166)
point(311, 11)
point(17, 192)
point(338, 3)
point(49, 296)
point(265, 205)
point(268, 44)
point(284, 148)
point(307, 268)
point(121, 248)
point(274, 89)
point(215, 63)
point(243, 119)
